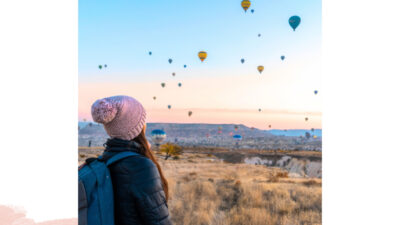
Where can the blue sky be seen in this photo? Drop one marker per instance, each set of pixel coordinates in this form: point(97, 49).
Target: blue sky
point(121, 33)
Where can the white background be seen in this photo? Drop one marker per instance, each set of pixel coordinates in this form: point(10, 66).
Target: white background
point(38, 90)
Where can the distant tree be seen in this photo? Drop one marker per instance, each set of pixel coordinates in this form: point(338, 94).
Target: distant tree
point(170, 150)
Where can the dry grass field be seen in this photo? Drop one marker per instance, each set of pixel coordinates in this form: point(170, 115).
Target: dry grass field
point(206, 191)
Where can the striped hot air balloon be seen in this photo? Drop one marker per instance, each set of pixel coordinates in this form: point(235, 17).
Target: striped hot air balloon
point(260, 69)
point(202, 55)
point(245, 4)
point(158, 136)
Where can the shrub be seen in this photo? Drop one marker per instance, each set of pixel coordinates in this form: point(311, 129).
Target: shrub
point(311, 183)
point(170, 150)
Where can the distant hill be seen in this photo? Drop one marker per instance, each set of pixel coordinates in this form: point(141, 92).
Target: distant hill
point(198, 134)
point(295, 132)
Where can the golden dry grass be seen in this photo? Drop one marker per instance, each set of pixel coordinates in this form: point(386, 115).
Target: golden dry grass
point(211, 192)
point(206, 191)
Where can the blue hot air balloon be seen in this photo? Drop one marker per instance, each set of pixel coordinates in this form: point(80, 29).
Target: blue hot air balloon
point(294, 22)
point(184, 66)
point(315, 92)
point(259, 35)
point(237, 138)
point(242, 60)
point(158, 136)
point(179, 84)
point(283, 57)
point(252, 11)
point(170, 61)
point(150, 53)
point(169, 106)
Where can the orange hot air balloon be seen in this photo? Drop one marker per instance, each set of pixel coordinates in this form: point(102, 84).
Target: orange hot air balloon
point(260, 69)
point(246, 4)
point(202, 55)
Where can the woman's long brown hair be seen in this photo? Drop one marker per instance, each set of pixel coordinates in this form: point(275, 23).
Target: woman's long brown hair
point(142, 140)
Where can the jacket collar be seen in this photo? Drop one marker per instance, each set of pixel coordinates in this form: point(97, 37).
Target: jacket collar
point(119, 145)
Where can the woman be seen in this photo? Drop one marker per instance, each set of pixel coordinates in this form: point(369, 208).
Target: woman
point(140, 188)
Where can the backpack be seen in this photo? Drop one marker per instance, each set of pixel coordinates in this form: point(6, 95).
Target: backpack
point(95, 190)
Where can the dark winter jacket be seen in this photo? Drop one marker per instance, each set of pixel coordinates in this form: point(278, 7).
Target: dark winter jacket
point(139, 197)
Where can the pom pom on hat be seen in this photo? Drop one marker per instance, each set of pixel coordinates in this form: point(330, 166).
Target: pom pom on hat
point(103, 111)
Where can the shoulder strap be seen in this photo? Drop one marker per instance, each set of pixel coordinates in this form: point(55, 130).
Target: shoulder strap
point(120, 156)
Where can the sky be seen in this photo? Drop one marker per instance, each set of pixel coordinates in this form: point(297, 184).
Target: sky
point(219, 90)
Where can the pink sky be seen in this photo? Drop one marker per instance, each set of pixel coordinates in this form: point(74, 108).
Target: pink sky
point(285, 100)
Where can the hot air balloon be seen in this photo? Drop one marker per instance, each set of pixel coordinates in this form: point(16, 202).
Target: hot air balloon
point(158, 136)
point(100, 66)
point(242, 60)
point(169, 106)
point(308, 135)
point(154, 97)
point(179, 85)
point(312, 129)
point(162, 84)
point(245, 5)
point(236, 127)
point(237, 138)
point(184, 66)
point(306, 118)
point(269, 126)
point(170, 61)
point(260, 69)
point(190, 113)
point(282, 57)
point(150, 53)
point(84, 120)
point(315, 136)
point(219, 130)
point(105, 65)
point(259, 110)
point(259, 35)
point(202, 55)
point(173, 74)
point(252, 11)
point(315, 92)
point(294, 22)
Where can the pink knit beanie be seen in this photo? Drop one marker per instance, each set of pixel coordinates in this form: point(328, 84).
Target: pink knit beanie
point(123, 117)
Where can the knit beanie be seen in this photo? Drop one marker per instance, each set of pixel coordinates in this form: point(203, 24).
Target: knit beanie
point(123, 117)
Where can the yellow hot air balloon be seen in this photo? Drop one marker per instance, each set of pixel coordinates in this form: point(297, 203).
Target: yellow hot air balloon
point(260, 68)
point(246, 4)
point(202, 55)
